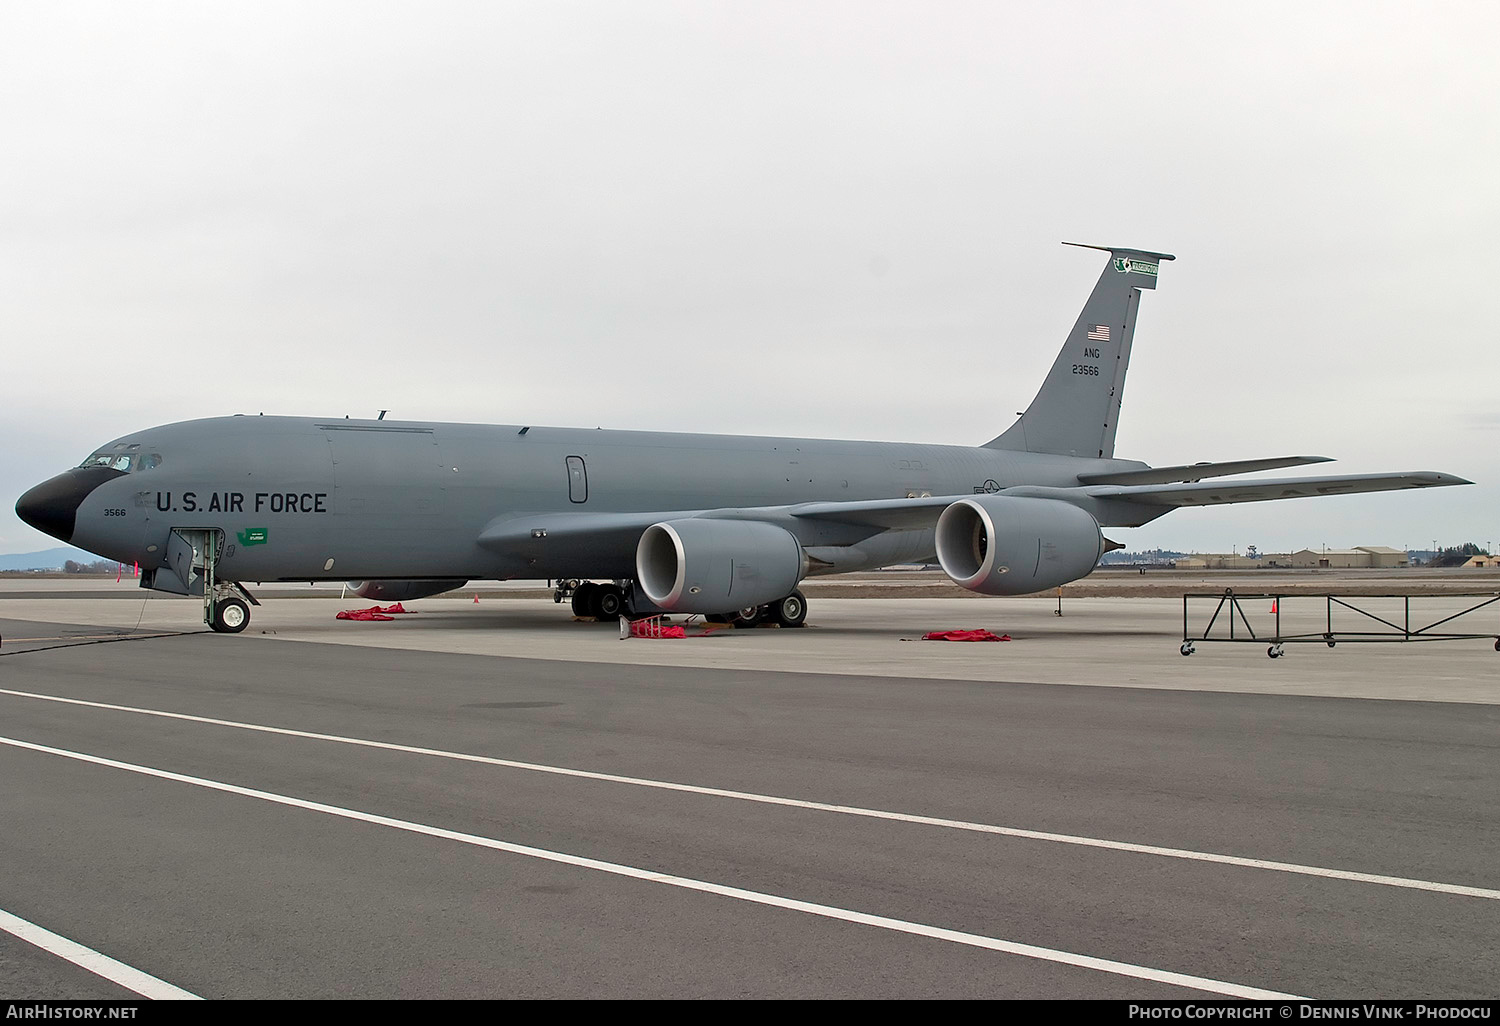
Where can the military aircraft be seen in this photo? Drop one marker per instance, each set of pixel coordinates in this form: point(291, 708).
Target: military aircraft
point(723, 525)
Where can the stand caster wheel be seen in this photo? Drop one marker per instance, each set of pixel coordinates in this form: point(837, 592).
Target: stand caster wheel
point(1187, 648)
point(1274, 652)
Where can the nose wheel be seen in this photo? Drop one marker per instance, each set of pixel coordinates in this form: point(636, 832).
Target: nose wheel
point(230, 616)
point(227, 607)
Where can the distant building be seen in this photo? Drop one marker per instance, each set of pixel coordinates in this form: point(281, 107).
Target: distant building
point(1231, 561)
point(1361, 556)
point(1485, 562)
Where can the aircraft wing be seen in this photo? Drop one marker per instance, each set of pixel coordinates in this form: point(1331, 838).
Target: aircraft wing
point(880, 514)
point(1275, 488)
point(809, 521)
point(851, 521)
point(1198, 471)
point(505, 533)
point(919, 513)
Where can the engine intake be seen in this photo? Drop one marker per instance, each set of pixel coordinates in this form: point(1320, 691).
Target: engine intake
point(716, 566)
point(1009, 545)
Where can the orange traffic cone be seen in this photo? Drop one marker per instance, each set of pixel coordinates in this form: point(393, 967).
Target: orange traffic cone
point(476, 598)
point(1273, 605)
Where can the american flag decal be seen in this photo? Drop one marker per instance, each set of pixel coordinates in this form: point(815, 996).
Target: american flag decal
point(1099, 332)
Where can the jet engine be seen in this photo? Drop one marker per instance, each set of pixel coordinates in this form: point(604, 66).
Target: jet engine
point(716, 566)
point(1009, 545)
point(402, 591)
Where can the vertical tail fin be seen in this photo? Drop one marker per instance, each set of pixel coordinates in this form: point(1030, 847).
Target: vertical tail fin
point(1077, 410)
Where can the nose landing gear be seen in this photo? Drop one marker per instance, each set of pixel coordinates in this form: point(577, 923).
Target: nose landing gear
point(226, 608)
point(191, 568)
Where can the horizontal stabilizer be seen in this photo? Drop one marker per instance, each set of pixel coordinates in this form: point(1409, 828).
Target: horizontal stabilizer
point(1280, 488)
point(1122, 252)
point(1198, 471)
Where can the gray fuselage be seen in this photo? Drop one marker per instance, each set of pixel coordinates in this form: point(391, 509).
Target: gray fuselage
point(319, 499)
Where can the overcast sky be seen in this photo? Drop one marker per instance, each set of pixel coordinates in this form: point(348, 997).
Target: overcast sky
point(807, 218)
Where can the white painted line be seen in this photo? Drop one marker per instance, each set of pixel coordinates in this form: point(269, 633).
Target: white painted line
point(1407, 883)
point(1103, 965)
point(87, 958)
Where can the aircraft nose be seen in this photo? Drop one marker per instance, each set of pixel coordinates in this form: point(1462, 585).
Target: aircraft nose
point(52, 506)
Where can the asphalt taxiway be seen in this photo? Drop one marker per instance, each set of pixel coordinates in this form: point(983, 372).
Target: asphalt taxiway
point(491, 800)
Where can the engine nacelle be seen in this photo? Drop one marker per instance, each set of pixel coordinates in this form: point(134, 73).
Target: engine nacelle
point(1008, 545)
point(717, 566)
point(402, 591)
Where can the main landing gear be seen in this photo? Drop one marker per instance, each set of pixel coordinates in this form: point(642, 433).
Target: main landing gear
point(609, 602)
point(787, 612)
point(601, 601)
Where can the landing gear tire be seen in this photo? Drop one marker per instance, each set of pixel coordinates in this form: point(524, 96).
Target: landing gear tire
point(1275, 652)
point(790, 611)
point(583, 599)
point(1187, 648)
point(608, 602)
point(630, 612)
point(230, 616)
point(750, 616)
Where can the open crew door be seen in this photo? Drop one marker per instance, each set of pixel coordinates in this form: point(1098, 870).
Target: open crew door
point(191, 554)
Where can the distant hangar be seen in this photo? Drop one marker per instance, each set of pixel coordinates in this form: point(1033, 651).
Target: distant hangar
point(1361, 556)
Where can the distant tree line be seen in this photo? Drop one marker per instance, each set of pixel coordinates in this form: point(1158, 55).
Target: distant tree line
point(98, 566)
point(1145, 556)
point(1457, 555)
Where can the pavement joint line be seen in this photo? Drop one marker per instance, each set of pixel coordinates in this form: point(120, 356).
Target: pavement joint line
point(95, 637)
point(1243, 862)
point(1104, 965)
point(99, 964)
point(80, 641)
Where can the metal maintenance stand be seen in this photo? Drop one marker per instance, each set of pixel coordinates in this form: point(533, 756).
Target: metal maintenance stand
point(1236, 623)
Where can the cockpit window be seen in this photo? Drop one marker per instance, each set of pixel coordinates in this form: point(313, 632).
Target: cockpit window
point(125, 461)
